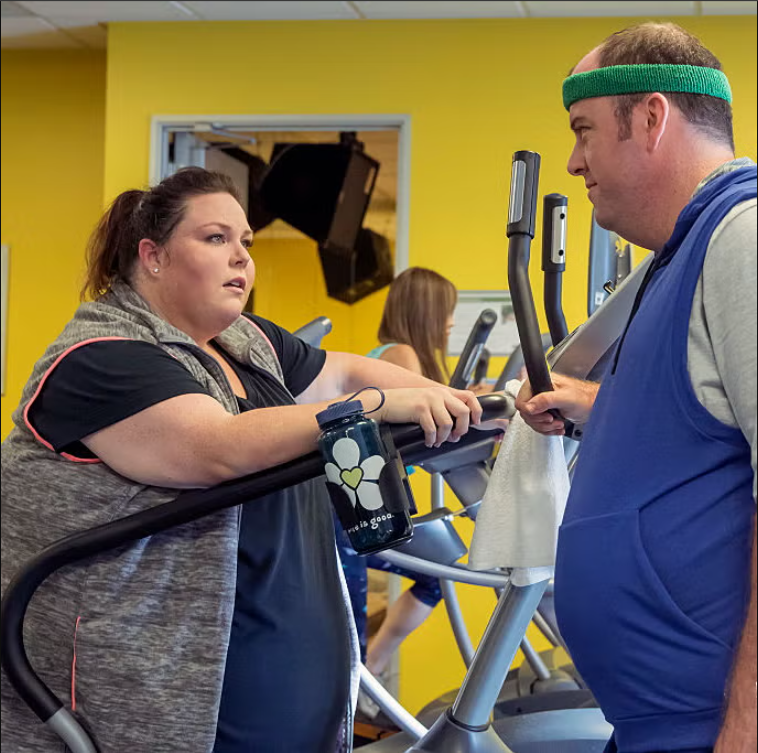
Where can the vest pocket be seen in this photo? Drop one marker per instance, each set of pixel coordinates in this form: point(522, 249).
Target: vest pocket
point(639, 653)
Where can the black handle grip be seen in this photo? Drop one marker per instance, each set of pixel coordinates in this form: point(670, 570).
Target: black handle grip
point(520, 236)
point(185, 508)
point(482, 366)
point(526, 315)
point(522, 208)
point(554, 262)
point(464, 370)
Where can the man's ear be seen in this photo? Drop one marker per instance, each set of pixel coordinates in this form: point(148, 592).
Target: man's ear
point(150, 255)
point(657, 112)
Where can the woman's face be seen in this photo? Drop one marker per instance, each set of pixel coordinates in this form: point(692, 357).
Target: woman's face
point(206, 273)
point(449, 324)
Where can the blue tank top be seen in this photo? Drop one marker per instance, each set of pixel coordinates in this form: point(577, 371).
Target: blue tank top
point(653, 571)
point(379, 350)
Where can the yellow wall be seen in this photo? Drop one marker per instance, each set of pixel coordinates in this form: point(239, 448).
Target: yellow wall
point(476, 91)
point(53, 130)
point(290, 290)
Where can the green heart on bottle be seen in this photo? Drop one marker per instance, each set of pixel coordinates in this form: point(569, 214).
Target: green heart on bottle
point(352, 477)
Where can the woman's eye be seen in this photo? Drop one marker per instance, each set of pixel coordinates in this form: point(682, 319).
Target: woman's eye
point(216, 237)
point(247, 242)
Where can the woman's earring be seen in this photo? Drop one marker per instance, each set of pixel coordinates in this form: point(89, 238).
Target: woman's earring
point(156, 270)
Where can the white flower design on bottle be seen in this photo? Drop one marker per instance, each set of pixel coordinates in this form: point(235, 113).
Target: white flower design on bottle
point(354, 478)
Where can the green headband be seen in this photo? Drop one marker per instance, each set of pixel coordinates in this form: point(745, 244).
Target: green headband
point(634, 79)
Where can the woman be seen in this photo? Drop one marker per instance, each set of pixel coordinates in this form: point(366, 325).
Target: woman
point(230, 633)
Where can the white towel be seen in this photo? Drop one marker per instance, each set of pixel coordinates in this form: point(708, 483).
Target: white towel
point(517, 523)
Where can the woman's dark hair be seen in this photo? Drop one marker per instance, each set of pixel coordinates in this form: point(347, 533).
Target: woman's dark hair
point(660, 43)
point(113, 246)
point(416, 312)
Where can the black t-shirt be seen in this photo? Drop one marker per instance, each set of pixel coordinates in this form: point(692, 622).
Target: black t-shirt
point(104, 382)
point(287, 671)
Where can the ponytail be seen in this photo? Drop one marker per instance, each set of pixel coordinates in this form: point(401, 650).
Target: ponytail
point(112, 247)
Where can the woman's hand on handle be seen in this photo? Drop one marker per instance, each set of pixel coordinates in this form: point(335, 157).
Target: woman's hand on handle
point(572, 398)
point(443, 413)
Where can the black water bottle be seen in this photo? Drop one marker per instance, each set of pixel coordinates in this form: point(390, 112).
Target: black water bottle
point(365, 480)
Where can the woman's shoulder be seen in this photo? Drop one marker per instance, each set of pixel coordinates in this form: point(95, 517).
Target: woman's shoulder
point(401, 355)
point(380, 350)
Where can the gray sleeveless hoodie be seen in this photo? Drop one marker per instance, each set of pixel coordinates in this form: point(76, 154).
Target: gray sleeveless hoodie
point(135, 640)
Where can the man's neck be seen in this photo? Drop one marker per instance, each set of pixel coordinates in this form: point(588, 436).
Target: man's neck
point(683, 176)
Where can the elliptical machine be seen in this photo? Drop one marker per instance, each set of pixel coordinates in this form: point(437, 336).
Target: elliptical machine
point(546, 680)
point(467, 724)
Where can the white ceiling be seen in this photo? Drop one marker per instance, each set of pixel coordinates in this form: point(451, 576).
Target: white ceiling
point(65, 24)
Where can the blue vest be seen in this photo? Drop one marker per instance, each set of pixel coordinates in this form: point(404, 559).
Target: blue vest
point(653, 571)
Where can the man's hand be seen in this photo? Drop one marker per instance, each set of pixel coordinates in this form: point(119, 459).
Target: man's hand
point(740, 731)
point(573, 398)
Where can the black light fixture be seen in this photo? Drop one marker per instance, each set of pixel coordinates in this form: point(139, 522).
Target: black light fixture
point(324, 190)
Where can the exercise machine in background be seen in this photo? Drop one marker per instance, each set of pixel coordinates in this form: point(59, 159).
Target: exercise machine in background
point(467, 725)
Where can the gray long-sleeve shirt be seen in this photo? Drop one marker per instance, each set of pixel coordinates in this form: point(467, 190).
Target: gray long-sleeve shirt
point(721, 355)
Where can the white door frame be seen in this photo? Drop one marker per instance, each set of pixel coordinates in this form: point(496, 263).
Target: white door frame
point(161, 125)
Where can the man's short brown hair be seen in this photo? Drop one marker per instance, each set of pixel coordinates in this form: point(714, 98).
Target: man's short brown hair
point(656, 43)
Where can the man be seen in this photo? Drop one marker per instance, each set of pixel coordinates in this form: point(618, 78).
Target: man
point(653, 583)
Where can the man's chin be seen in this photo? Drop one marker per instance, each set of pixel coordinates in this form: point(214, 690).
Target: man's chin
point(602, 219)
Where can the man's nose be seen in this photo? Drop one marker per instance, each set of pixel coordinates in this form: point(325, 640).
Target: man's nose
point(576, 165)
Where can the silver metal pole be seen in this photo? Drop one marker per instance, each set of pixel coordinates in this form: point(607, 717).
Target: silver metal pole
point(457, 573)
point(63, 723)
point(438, 491)
point(404, 719)
point(534, 660)
point(495, 653)
point(457, 623)
point(545, 628)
